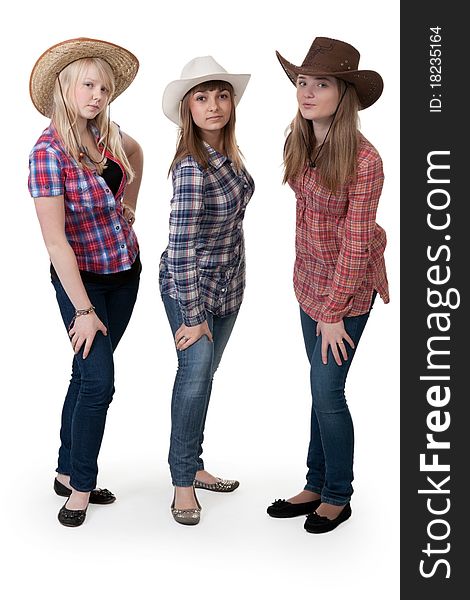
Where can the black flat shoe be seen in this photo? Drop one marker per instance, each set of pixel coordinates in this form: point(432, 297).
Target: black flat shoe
point(317, 524)
point(281, 509)
point(71, 518)
point(97, 496)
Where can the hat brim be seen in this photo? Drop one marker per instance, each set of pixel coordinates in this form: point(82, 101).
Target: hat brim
point(369, 84)
point(48, 66)
point(176, 90)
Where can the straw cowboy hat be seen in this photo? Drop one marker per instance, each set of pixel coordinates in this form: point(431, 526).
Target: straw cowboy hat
point(328, 57)
point(48, 66)
point(198, 70)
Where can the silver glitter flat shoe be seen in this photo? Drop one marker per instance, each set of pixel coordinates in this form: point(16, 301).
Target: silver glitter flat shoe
point(221, 485)
point(186, 516)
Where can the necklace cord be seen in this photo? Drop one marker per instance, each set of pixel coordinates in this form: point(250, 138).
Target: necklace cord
point(313, 163)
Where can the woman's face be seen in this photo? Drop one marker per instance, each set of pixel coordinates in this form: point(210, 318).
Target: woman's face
point(210, 110)
point(91, 93)
point(318, 97)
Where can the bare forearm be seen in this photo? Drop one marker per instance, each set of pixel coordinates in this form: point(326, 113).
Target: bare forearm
point(51, 217)
point(136, 160)
point(65, 265)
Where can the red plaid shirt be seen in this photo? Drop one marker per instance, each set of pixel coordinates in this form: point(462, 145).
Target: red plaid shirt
point(95, 227)
point(339, 246)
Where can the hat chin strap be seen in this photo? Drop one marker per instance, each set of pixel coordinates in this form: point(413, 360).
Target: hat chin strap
point(313, 164)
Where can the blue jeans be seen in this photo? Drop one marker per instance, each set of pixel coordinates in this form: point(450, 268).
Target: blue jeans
point(191, 392)
point(91, 386)
point(331, 449)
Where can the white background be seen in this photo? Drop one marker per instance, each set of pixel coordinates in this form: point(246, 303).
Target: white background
point(258, 423)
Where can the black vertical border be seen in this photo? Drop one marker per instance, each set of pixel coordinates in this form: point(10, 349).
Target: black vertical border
point(421, 132)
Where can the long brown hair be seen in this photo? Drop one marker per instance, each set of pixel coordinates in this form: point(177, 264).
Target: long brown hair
point(337, 161)
point(189, 141)
point(64, 116)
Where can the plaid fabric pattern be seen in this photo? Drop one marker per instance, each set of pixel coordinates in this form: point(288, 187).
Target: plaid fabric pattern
point(95, 227)
point(339, 246)
point(203, 266)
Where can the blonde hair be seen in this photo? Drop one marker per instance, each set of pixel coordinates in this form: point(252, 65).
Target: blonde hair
point(337, 161)
point(190, 142)
point(64, 116)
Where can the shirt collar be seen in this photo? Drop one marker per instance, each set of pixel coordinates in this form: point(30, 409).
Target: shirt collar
point(215, 159)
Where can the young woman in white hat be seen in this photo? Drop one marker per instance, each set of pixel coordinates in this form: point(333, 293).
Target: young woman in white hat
point(85, 176)
point(337, 178)
point(202, 270)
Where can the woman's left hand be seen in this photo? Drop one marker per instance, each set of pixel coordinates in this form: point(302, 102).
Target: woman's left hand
point(333, 335)
point(129, 213)
point(136, 160)
point(187, 336)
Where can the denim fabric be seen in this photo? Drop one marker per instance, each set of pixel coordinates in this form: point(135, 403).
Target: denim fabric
point(91, 386)
point(191, 392)
point(331, 449)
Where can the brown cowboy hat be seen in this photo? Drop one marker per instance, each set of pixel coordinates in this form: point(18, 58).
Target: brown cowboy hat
point(48, 66)
point(328, 57)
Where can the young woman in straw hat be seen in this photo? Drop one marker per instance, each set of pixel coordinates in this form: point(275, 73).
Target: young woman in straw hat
point(84, 176)
point(202, 270)
point(337, 178)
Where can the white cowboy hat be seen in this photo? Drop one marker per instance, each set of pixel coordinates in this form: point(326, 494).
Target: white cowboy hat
point(198, 70)
point(48, 66)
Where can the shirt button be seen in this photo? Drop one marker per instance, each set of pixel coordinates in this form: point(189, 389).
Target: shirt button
point(118, 227)
point(123, 246)
point(223, 290)
point(106, 190)
point(245, 186)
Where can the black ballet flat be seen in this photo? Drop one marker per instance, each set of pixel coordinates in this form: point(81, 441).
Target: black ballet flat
point(281, 509)
point(71, 518)
point(98, 496)
point(317, 524)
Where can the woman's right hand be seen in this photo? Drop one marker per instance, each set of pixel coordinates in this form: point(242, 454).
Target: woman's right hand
point(187, 336)
point(83, 331)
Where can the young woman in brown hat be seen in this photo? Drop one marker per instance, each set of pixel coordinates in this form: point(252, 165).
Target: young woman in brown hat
point(202, 270)
point(85, 176)
point(337, 178)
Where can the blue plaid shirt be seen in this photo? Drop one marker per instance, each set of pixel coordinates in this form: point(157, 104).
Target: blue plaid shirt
point(203, 266)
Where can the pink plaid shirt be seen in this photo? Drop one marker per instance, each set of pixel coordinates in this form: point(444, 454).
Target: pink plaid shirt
point(95, 227)
point(339, 246)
